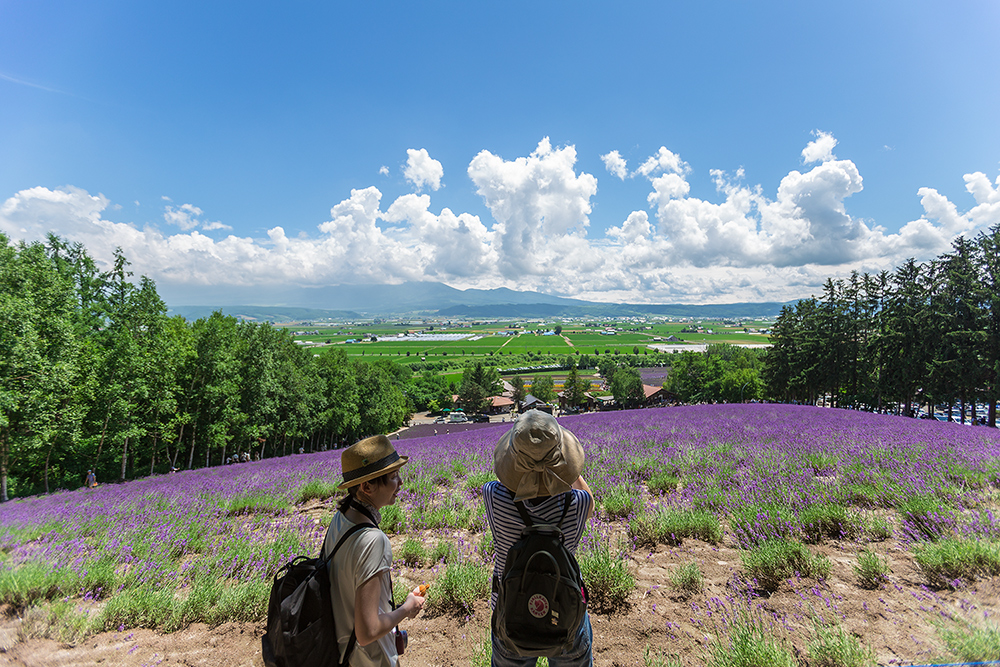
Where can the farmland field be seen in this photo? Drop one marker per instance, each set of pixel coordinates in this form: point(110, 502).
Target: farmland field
point(485, 339)
point(718, 526)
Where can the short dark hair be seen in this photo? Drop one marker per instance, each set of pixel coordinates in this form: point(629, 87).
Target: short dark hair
point(352, 491)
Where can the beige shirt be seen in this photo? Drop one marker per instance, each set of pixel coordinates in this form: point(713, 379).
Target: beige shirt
point(366, 554)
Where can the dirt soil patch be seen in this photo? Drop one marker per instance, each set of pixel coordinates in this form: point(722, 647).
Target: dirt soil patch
point(897, 621)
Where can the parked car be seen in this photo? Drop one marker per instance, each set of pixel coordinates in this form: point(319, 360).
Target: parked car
point(479, 419)
point(457, 418)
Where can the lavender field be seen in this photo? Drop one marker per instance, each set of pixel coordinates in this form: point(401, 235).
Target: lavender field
point(793, 492)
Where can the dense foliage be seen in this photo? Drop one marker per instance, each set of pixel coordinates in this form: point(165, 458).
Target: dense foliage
point(925, 334)
point(95, 376)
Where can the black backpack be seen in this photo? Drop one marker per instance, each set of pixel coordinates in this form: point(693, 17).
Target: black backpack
point(301, 631)
point(542, 600)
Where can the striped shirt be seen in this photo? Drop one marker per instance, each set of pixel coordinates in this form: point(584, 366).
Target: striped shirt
point(506, 524)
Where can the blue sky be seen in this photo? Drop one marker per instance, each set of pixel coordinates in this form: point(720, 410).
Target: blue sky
point(703, 152)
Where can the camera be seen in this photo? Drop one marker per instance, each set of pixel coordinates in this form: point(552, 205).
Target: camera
point(401, 640)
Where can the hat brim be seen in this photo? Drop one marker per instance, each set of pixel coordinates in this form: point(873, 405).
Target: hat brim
point(392, 467)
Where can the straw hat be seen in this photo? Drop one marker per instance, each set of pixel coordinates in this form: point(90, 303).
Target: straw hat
point(369, 458)
point(538, 457)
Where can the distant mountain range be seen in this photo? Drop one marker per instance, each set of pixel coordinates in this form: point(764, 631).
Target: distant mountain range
point(349, 302)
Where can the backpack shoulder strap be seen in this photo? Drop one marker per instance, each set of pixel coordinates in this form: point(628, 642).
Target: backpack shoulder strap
point(527, 518)
point(566, 504)
point(524, 513)
point(343, 538)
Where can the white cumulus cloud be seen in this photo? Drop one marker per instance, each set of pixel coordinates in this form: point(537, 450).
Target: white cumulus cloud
point(615, 164)
point(541, 208)
point(742, 244)
point(820, 149)
point(422, 170)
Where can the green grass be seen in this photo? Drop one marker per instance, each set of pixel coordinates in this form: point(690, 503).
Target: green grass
point(413, 552)
point(826, 520)
point(606, 576)
point(687, 580)
point(972, 643)
point(949, 562)
point(672, 526)
point(835, 647)
point(257, 503)
point(750, 644)
point(463, 582)
point(774, 561)
point(871, 569)
point(316, 488)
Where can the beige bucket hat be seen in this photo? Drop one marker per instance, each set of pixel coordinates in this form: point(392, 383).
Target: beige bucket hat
point(369, 458)
point(538, 457)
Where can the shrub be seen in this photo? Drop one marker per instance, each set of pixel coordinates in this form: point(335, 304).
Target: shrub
point(652, 657)
point(257, 503)
point(671, 526)
point(487, 548)
point(835, 647)
point(443, 551)
point(872, 569)
point(751, 644)
point(620, 500)
point(755, 523)
point(662, 482)
point(925, 518)
point(774, 561)
point(413, 552)
point(877, 528)
point(640, 468)
point(606, 576)
point(824, 520)
point(316, 488)
point(457, 588)
point(820, 462)
point(952, 560)
point(393, 519)
point(972, 644)
point(477, 480)
point(687, 580)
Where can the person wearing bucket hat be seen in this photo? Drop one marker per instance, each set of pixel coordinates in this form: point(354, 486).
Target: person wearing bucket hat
point(538, 462)
point(359, 572)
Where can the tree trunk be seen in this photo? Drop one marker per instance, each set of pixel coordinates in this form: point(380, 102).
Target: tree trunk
point(124, 459)
point(3, 468)
point(152, 456)
point(194, 433)
point(47, 455)
point(100, 443)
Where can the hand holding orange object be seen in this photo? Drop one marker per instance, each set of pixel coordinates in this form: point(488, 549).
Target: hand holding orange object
point(422, 589)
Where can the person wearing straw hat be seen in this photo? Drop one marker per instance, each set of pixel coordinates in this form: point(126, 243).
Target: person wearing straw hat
point(359, 572)
point(538, 462)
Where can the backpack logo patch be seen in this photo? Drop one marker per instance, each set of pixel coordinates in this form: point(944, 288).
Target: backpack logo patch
point(538, 605)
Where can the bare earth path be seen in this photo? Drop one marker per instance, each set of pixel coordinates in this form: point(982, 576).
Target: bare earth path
point(896, 621)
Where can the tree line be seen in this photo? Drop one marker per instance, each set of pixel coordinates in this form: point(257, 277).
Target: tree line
point(925, 334)
point(95, 376)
